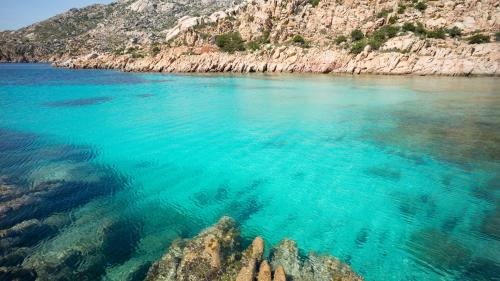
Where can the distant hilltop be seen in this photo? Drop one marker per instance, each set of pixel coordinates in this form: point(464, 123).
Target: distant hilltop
point(322, 36)
point(101, 28)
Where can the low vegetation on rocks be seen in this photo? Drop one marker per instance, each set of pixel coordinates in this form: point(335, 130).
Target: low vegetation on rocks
point(230, 42)
point(314, 3)
point(478, 38)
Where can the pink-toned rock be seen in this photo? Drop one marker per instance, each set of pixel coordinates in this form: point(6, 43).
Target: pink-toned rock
point(279, 274)
point(264, 272)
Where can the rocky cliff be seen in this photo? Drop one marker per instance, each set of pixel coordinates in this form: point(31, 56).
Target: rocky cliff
point(216, 254)
point(101, 28)
point(340, 36)
point(422, 37)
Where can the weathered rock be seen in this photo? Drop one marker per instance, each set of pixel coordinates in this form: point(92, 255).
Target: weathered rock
point(215, 254)
point(264, 272)
point(202, 258)
point(279, 274)
point(314, 267)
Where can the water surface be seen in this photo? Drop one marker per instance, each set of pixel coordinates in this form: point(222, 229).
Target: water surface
point(397, 176)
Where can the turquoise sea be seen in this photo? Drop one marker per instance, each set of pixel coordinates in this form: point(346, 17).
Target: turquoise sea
point(397, 176)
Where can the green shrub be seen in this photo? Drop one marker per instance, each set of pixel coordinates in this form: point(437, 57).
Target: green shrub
point(155, 50)
point(230, 42)
point(384, 13)
point(454, 32)
point(380, 36)
point(357, 35)
point(401, 8)
point(119, 51)
point(297, 39)
point(264, 39)
point(253, 45)
point(376, 43)
point(421, 6)
point(137, 55)
point(408, 26)
point(478, 38)
point(438, 33)
point(393, 20)
point(420, 29)
point(314, 3)
point(340, 39)
point(497, 36)
point(358, 46)
point(390, 30)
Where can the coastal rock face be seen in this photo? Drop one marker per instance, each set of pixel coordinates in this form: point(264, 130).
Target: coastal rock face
point(451, 60)
point(401, 37)
point(216, 254)
point(273, 26)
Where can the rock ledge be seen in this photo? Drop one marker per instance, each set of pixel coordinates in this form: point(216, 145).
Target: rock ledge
point(216, 254)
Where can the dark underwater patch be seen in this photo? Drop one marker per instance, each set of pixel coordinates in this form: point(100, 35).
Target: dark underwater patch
point(361, 238)
point(481, 269)
point(35, 204)
point(145, 95)
point(11, 140)
point(79, 102)
point(439, 250)
point(384, 172)
point(120, 240)
point(140, 273)
point(490, 224)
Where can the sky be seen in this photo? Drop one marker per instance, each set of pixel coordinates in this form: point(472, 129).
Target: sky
point(15, 14)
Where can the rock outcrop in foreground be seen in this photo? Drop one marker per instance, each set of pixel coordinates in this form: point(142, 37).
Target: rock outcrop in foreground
point(216, 254)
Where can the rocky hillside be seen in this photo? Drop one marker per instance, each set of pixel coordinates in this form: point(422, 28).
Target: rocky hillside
point(216, 254)
point(101, 28)
point(342, 36)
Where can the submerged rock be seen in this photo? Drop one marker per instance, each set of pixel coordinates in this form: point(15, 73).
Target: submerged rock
point(440, 250)
point(216, 254)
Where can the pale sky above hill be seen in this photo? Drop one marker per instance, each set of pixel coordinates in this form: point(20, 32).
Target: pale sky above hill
point(19, 13)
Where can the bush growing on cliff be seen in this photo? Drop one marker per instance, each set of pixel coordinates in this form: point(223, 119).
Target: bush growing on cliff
point(393, 20)
point(230, 42)
point(358, 46)
point(421, 6)
point(454, 31)
point(357, 35)
point(314, 3)
point(340, 39)
point(384, 13)
point(401, 8)
point(408, 26)
point(437, 33)
point(119, 51)
point(478, 38)
point(264, 39)
point(497, 36)
point(253, 45)
point(155, 50)
point(420, 29)
point(297, 39)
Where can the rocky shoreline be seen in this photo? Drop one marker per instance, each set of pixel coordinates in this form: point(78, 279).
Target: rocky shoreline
point(454, 60)
point(216, 254)
point(395, 37)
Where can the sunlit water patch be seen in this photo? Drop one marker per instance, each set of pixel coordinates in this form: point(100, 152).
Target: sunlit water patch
point(397, 176)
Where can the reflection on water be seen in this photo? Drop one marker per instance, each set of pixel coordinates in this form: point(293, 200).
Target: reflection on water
point(397, 176)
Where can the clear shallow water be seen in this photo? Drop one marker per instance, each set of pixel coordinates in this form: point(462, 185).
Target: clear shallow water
point(397, 176)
